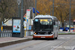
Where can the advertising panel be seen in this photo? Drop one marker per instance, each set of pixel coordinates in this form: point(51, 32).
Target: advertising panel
point(16, 25)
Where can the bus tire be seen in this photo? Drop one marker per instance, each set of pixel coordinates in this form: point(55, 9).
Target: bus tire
point(53, 38)
point(34, 38)
point(56, 38)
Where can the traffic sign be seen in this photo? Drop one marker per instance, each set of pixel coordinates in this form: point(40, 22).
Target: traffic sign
point(28, 11)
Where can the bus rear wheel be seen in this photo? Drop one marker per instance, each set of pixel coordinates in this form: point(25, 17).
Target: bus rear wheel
point(56, 38)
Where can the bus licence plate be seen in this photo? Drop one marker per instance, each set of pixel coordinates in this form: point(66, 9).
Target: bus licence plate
point(42, 37)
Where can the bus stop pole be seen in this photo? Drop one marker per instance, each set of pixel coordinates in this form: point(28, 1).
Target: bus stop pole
point(22, 29)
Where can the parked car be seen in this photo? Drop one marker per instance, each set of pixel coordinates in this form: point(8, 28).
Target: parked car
point(61, 28)
point(66, 28)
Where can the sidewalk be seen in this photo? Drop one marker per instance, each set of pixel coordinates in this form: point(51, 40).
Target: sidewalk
point(13, 40)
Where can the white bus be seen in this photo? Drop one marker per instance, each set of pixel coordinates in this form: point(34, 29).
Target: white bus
point(45, 26)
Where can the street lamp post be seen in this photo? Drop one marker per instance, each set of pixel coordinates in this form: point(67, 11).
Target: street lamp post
point(18, 1)
point(22, 29)
point(69, 15)
point(53, 9)
point(52, 12)
point(64, 23)
point(35, 6)
point(0, 0)
point(0, 24)
point(18, 10)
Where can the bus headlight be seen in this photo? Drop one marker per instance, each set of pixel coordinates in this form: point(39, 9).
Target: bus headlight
point(34, 33)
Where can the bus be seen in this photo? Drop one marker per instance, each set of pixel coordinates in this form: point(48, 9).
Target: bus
point(45, 26)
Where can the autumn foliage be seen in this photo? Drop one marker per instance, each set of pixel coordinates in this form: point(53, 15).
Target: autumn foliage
point(61, 8)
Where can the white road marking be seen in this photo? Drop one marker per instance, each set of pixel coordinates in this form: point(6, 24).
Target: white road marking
point(61, 43)
point(57, 46)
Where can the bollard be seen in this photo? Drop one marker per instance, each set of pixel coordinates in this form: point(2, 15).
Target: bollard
point(1, 34)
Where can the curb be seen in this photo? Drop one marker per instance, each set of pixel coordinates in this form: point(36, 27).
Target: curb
point(14, 42)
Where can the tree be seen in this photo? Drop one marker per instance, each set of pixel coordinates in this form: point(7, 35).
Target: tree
point(9, 8)
point(61, 8)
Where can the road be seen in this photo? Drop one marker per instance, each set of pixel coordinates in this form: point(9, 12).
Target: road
point(64, 42)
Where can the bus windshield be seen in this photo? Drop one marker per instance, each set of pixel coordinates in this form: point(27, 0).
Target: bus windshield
point(45, 24)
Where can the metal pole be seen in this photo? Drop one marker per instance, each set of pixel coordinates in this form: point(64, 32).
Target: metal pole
point(0, 0)
point(35, 6)
point(18, 2)
point(64, 23)
point(22, 29)
point(18, 10)
point(0, 24)
point(53, 9)
point(69, 15)
point(50, 10)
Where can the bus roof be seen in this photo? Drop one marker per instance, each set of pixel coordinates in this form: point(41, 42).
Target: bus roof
point(46, 16)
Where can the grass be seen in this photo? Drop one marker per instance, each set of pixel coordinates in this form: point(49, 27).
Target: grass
point(65, 33)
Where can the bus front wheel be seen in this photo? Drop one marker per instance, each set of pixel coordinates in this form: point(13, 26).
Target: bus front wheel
point(34, 38)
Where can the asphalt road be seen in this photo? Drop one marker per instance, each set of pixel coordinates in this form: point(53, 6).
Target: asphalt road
point(64, 42)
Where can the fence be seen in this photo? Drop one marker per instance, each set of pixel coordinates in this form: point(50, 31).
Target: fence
point(5, 33)
point(9, 33)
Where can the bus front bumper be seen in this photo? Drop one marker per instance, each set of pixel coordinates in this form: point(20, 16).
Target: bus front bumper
point(43, 36)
